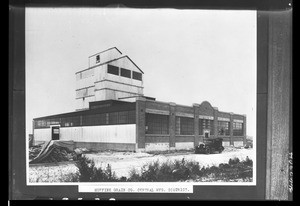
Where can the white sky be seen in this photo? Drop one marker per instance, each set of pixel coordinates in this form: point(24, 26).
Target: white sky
point(188, 56)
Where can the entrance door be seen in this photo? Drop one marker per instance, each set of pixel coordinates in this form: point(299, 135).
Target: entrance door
point(55, 132)
point(206, 133)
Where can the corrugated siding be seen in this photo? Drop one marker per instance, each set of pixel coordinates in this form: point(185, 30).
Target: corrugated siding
point(42, 134)
point(106, 133)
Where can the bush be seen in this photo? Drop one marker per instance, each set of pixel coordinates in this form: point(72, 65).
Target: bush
point(89, 173)
point(233, 161)
point(248, 162)
point(166, 171)
point(170, 171)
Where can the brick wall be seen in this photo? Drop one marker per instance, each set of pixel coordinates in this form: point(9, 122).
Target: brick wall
point(174, 138)
point(140, 123)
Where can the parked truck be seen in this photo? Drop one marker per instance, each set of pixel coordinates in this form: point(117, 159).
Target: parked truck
point(209, 146)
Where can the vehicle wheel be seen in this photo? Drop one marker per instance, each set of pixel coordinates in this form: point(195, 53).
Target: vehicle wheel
point(221, 149)
point(207, 151)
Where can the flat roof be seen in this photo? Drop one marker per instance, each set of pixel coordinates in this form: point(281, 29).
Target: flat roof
point(115, 106)
point(120, 106)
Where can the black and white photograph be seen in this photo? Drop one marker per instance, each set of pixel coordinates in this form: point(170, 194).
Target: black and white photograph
point(159, 97)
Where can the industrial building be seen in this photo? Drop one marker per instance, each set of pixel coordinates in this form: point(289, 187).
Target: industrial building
point(113, 113)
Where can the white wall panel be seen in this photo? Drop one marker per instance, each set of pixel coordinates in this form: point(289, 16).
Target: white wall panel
point(100, 72)
point(238, 143)
point(100, 95)
point(84, 104)
point(225, 143)
point(184, 145)
point(42, 134)
point(105, 133)
point(86, 82)
point(156, 146)
point(70, 133)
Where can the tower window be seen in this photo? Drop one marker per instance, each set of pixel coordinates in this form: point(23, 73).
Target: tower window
point(125, 73)
point(97, 58)
point(136, 75)
point(112, 69)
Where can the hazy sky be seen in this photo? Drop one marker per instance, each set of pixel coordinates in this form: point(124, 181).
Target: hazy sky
point(188, 56)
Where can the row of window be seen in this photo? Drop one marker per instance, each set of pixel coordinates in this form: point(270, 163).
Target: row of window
point(159, 124)
point(155, 124)
point(123, 72)
point(124, 117)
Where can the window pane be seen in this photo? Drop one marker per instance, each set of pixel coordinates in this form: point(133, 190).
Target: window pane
point(237, 129)
point(186, 126)
point(157, 124)
point(131, 117)
point(223, 128)
point(137, 75)
point(100, 119)
point(113, 118)
point(123, 117)
point(112, 69)
point(125, 73)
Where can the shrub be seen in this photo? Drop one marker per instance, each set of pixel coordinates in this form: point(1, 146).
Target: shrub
point(71, 177)
point(233, 161)
point(166, 171)
point(89, 173)
point(170, 171)
point(248, 162)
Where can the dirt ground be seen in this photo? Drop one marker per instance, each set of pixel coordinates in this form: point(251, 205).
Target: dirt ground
point(122, 162)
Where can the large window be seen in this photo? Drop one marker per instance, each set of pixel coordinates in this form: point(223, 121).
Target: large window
point(113, 118)
point(157, 124)
point(206, 124)
point(186, 125)
point(137, 75)
point(112, 69)
point(237, 129)
point(125, 117)
point(94, 119)
point(125, 73)
point(223, 128)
